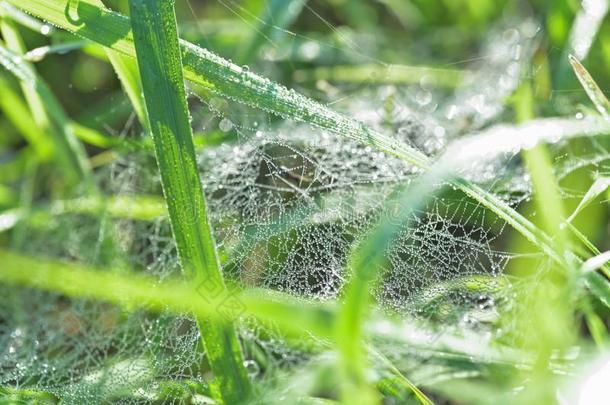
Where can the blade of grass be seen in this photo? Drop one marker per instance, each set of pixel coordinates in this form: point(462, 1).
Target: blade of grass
point(46, 110)
point(38, 54)
point(159, 62)
point(24, 19)
point(364, 262)
point(127, 72)
point(596, 262)
point(401, 380)
point(598, 187)
point(591, 88)
point(20, 116)
point(177, 296)
point(292, 314)
point(540, 168)
point(553, 295)
point(391, 74)
point(136, 207)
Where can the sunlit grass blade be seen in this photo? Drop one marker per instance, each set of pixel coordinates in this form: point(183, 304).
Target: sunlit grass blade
point(38, 54)
point(585, 27)
point(552, 294)
point(596, 95)
point(159, 62)
point(595, 262)
point(292, 314)
point(27, 396)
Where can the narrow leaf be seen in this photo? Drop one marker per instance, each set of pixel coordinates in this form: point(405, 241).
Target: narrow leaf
point(591, 88)
point(159, 61)
point(46, 109)
point(598, 187)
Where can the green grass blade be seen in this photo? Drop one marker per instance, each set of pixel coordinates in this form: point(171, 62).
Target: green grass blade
point(133, 290)
point(38, 54)
point(401, 380)
point(20, 116)
point(546, 190)
point(598, 187)
point(376, 74)
point(364, 262)
point(46, 110)
point(596, 95)
point(127, 72)
point(12, 395)
point(136, 207)
point(18, 16)
point(596, 262)
point(159, 61)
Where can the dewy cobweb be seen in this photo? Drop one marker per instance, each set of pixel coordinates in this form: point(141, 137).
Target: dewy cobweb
point(287, 202)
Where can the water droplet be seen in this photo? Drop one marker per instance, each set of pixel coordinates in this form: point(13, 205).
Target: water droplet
point(252, 368)
point(45, 29)
point(225, 125)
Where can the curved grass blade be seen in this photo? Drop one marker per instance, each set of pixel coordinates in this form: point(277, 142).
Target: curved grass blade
point(596, 262)
point(159, 61)
point(546, 192)
point(364, 262)
point(367, 257)
point(598, 187)
point(127, 72)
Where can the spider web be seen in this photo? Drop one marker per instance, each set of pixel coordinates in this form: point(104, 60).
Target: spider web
point(287, 202)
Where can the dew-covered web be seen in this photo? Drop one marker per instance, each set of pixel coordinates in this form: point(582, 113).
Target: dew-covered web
point(288, 201)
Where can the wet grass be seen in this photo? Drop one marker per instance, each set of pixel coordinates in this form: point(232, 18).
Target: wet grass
point(152, 62)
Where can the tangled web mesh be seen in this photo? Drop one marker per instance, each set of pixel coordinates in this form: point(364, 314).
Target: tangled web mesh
point(287, 202)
